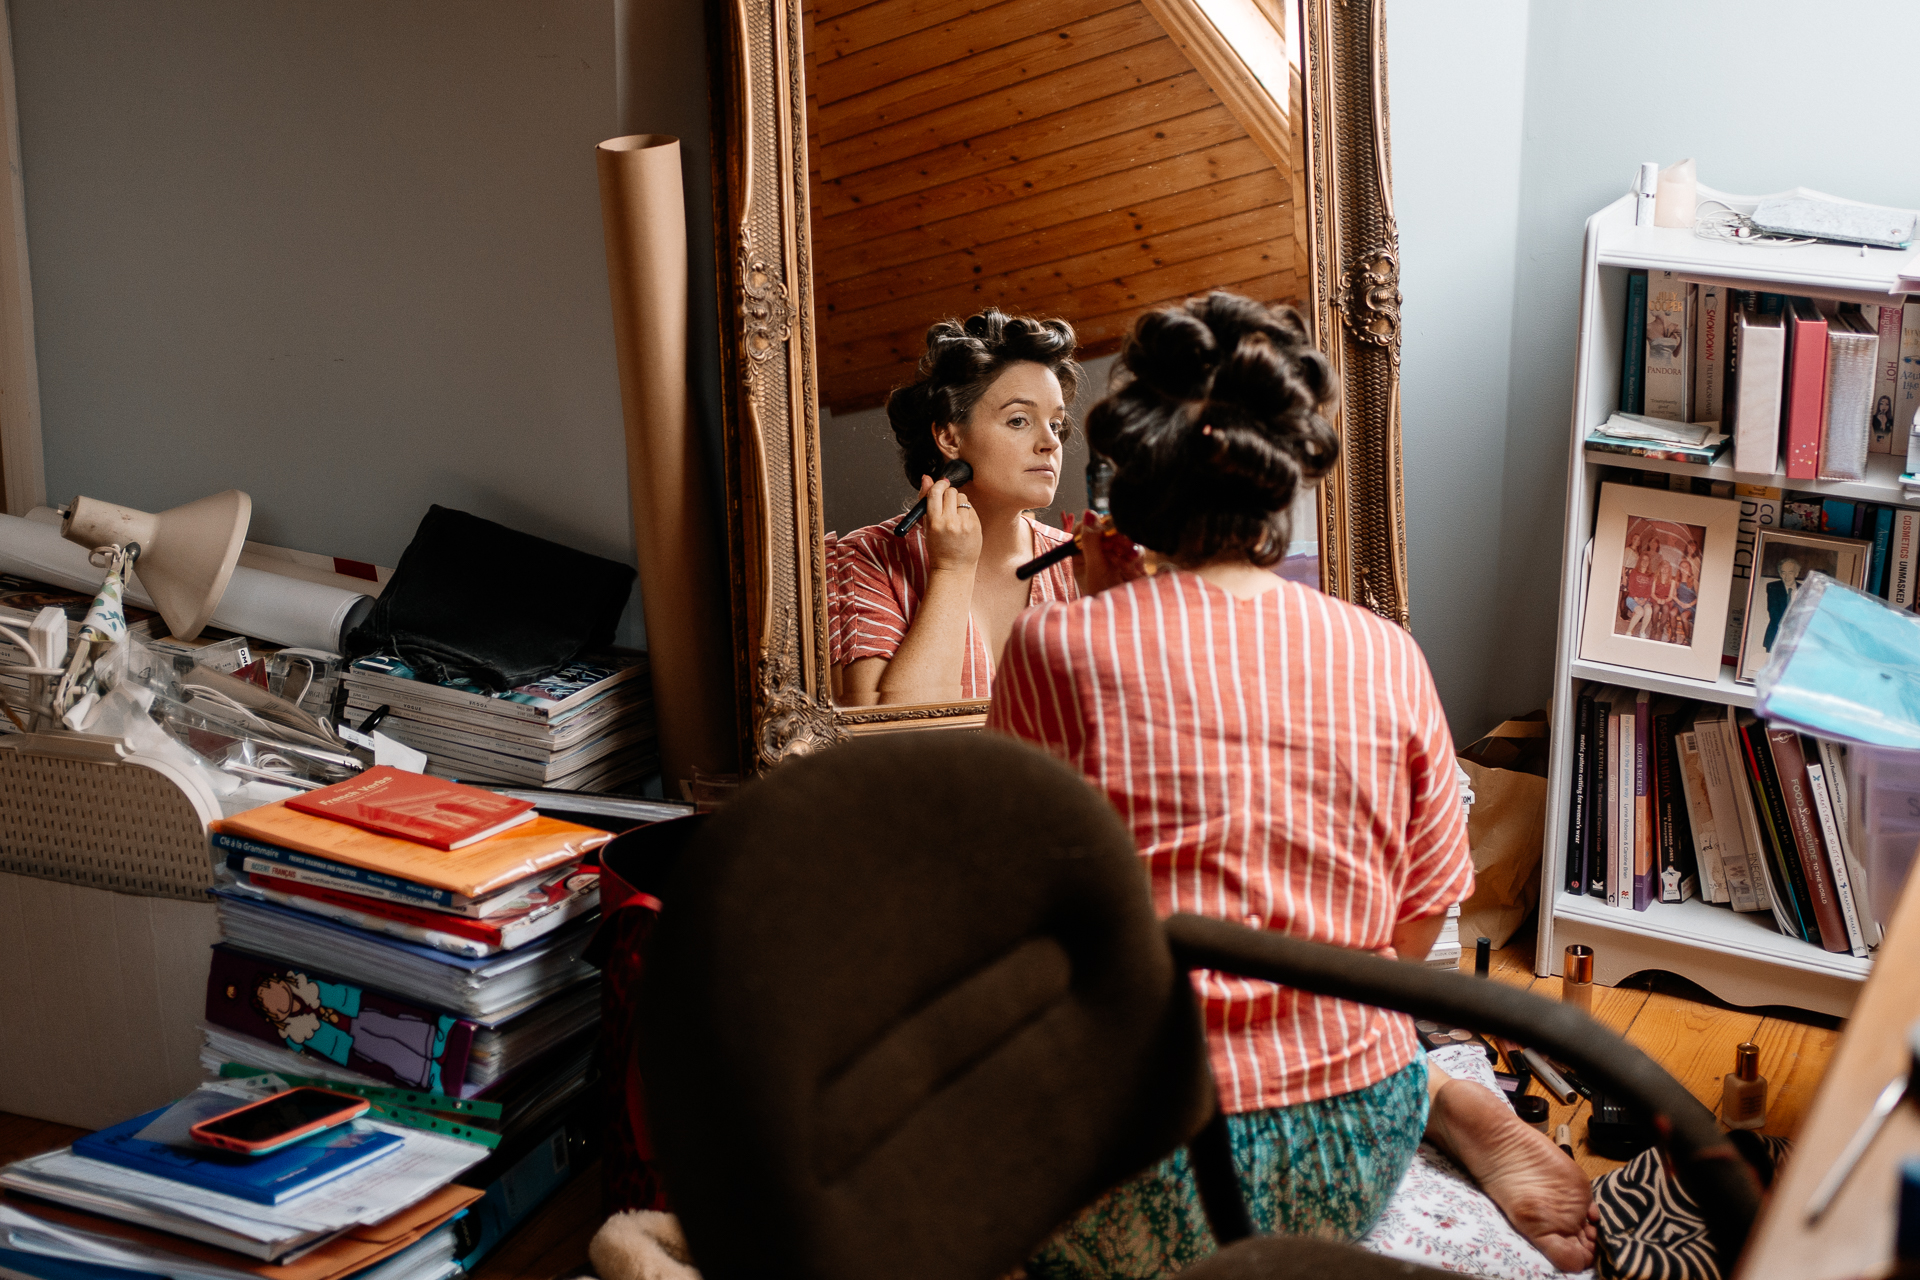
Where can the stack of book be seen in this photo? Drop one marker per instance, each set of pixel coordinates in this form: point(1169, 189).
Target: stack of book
point(1811, 387)
point(587, 727)
point(374, 1198)
point(399, 930)
point(1673, 799)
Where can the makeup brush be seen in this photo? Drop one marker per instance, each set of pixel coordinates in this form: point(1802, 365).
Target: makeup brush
point(955, 473)
point(1099, 492)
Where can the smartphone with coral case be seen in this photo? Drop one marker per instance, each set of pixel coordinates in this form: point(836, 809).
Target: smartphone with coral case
point(272, 1123)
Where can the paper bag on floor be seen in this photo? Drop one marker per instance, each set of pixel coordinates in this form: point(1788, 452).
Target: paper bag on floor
point(1505, 828)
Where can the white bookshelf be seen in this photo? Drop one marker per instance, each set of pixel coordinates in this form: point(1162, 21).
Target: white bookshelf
point(1741, 958)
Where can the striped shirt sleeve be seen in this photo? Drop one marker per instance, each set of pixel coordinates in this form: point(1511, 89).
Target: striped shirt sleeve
point(874, 598)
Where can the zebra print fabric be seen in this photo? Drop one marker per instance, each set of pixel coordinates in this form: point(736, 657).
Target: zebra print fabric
point(1650, 1229)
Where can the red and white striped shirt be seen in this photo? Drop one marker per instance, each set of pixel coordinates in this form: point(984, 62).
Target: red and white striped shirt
point(1283, 762)
point(876, 582)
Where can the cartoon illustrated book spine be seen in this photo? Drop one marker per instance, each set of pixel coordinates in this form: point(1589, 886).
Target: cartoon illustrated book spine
point(302, 1009)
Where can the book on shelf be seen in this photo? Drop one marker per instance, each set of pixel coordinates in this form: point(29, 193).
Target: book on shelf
point(1710, 354)
point(1886, 322)
point(1597, 793)
point(1833, 763)
point(1806, 389)
point(1882, 535)
point(1782, 858)
point(1903, 546)
point(1578, 829)
point(412, 806)
point(1640, 871)
point(1846, 431)
point(1675, 872)
point(1669, 367)
point(1600, 440)
point(1761, 365)
point(1803, 831)
point(1829, 832)
point(1633, 362)
point(1745, 887)
point(1759, 510)
point(1907, 399)
point(1705, 836)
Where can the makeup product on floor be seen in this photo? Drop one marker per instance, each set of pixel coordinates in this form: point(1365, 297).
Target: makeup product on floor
point(1434, 1035)
point(1743, 1094)
point(1576, 982)
point(1572, 1077)
point(1549, 1079)
point(1482, 957)
point(1532, 1110)
point(1510, 1085)
point(1615, 1132)
point(955, 473)
point(1563, 1138)
point(1515, 1063)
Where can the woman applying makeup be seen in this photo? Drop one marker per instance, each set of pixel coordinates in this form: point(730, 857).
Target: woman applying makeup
point(1283, 761)
point(923, 618)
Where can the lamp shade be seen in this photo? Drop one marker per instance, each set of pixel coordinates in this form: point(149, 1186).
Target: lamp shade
point(186, 554)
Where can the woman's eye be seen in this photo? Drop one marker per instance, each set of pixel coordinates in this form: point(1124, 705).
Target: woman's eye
point(1018, 420)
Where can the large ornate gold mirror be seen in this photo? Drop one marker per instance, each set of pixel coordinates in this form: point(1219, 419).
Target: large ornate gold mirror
point(884, 164)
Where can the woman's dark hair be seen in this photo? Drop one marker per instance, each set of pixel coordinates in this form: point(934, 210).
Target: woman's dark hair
point(1213, 425)
point(962, 359)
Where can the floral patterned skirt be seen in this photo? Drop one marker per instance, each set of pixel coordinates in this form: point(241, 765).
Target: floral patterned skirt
point(1323, 1168)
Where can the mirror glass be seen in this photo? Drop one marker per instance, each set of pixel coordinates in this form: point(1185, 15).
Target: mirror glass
point(1068, 159)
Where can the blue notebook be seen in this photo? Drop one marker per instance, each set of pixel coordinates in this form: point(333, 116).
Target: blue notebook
point(268, 1179)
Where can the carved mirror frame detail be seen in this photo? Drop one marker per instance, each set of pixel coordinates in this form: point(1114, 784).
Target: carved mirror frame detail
point(776, 537)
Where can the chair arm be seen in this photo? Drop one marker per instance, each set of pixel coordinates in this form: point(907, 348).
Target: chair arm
point(1704, 1159)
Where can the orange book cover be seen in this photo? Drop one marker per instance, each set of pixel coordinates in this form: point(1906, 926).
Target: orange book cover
point(474, 871)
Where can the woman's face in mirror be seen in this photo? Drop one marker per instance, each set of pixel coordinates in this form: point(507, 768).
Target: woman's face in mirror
point(1012, 439)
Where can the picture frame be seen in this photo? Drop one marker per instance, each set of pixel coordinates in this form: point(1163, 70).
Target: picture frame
point(1661, 580)
point(1782, 559)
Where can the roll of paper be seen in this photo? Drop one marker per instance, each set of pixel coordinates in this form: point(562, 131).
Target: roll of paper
point(682, 583)
point(261, 606)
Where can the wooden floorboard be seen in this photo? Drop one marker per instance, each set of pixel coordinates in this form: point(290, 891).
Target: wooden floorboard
point(1677, 1025)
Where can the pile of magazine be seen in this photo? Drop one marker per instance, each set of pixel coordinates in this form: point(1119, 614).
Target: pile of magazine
point(587, 727)
point(21, 600)
point(401, 931)
point(373, 1197)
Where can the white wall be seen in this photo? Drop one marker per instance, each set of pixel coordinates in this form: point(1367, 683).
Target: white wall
point(1764, 94)
point(345, 256)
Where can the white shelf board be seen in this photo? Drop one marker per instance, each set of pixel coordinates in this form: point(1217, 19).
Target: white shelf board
point(1725, 691)
point(1882, 482)
point(1750, 935)
point(1834, 270)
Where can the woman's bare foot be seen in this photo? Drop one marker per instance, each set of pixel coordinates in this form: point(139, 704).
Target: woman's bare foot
point(1545, 1195)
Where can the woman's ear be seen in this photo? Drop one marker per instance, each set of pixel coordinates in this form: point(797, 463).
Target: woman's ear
point(946, 438)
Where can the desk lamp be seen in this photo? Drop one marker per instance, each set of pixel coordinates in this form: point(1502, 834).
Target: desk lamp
point(184, 557)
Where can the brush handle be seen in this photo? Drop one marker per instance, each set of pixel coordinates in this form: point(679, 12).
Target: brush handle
point(955, 473)
point(1046, 560)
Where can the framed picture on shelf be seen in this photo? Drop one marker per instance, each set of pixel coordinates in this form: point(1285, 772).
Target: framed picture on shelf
point(1782, 559)
point(1662, 574)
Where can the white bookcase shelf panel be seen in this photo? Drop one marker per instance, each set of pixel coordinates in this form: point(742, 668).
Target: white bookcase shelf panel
point(1882, 482)
point(1742, 959)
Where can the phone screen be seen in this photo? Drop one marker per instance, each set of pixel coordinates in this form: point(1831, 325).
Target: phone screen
point(279, 1114)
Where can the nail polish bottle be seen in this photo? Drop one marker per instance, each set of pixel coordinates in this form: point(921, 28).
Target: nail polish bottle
point(1576, 983)
point(1743, 1098)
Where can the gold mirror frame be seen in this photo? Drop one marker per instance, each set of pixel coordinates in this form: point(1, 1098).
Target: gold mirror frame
point(776, 538)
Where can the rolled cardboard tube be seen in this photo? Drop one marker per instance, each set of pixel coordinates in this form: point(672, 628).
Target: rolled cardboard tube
point(682, 587)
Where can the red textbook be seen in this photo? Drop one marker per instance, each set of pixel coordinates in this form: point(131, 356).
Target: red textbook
point(413, 806)
point(1806, 389)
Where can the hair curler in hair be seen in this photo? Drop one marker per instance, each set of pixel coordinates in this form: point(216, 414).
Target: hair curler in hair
point(955, 473)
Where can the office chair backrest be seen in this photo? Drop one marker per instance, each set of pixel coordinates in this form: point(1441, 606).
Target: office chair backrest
point(909, 1010)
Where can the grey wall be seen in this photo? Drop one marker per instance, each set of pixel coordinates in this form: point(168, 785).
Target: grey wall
point(1512, 122)
point(344, 256)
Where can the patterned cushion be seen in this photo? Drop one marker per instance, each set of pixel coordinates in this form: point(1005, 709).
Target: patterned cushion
point(1439, 1216)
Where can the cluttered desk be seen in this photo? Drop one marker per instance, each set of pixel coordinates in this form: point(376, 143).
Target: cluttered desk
point(311, 835)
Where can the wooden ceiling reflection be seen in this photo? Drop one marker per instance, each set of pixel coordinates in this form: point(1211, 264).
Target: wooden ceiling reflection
point(1051, 157)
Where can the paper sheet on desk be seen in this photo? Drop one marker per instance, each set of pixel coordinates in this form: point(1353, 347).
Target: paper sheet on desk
point(263, 606)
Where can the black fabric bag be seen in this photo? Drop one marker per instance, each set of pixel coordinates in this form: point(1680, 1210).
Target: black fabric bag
point(476, 600)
